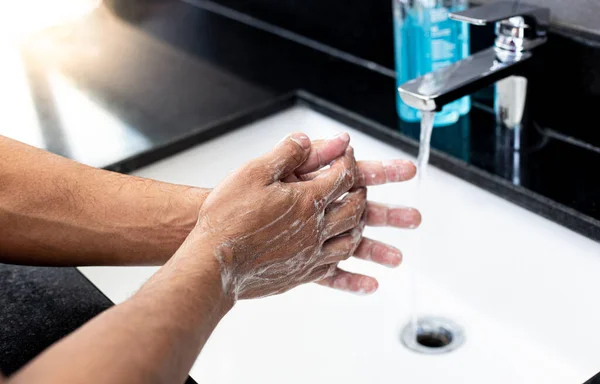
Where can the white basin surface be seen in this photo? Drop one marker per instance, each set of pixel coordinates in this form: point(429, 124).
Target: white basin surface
point(525, 289)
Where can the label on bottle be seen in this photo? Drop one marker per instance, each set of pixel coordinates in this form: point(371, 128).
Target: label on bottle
point(437, 15)
point(443, 46)
point(442, 53)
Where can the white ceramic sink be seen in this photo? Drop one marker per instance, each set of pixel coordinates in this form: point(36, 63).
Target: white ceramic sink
point(525, 290)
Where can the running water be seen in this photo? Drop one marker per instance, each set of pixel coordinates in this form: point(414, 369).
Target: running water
point(424, 146)
point(422, 162)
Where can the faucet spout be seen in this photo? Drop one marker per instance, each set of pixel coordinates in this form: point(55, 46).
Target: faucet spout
point(520, 28)
point(436, 89)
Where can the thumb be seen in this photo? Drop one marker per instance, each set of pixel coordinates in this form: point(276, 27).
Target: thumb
point(323, 152)
point(287, 155)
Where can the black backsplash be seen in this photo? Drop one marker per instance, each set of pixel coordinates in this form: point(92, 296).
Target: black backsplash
point(362, 28)
point(567, 88)
point(566, 73)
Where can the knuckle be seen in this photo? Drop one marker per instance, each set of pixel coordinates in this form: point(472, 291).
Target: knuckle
point(360, 202)
point(348, 245)
point(353, 218)
point(297, 155)
point(357, 232)
point(291, 193)
point(362, 206)
point(331, 270)
point(319, 205)
point(324, 272)
point(350, 151)
point(294, 150)
point(348, 253)
point(362, 192)
point(334, 208)
point(349, 177)
point(355, 212)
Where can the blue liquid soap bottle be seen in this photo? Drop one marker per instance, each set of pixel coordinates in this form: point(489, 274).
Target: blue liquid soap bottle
point(425, 40)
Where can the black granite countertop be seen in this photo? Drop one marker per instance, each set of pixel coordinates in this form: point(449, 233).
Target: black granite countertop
point(121, 91)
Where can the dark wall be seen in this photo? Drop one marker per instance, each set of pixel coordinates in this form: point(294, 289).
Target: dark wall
point(357, 27)
point(363, 27)
point(577, 14)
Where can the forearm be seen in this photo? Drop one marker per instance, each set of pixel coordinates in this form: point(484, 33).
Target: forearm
point(154, 337)
point(54, 211)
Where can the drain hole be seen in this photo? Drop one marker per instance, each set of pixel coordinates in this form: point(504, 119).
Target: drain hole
point(434, 339)
point(433, 335)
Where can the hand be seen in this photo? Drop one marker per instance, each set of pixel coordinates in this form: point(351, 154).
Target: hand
point(368, 173)
point(270, 236)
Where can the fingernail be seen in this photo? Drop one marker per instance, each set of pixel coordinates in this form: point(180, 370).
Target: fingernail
point(398, 170)
point(405, 218)
point(344, 136)
point(301, 139)
point(417, 218)
point(395, 259)
point(367, 286)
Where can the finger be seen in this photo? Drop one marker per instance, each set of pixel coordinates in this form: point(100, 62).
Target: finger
point(287, 155)
point(381, 215)
point(342, 216)
point(383, 172)
point(319, 273)
point(350, 282)
point(340, 248)
point(375, 172)
point(323, 152)
point(335, 181)
point(378, 252)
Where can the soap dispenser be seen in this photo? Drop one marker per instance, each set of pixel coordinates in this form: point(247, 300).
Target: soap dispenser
point(425, 40)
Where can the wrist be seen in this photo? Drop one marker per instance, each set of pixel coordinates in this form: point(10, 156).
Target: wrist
point(180, 220)
point(195, 269)
point(190, 200)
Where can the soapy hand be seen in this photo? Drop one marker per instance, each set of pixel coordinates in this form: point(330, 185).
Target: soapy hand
point(270, 236)
point(343, 223)
point(368, 173)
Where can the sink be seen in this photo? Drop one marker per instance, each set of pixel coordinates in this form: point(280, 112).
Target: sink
point(524, 289)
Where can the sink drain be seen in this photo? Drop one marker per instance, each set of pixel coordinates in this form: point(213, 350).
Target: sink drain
point(433, 335)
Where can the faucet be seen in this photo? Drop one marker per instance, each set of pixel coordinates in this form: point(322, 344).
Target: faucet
point(520, 28)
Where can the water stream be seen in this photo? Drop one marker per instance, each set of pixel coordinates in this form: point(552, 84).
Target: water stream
point(422, 163)
point(426, 332)
point(424, 146)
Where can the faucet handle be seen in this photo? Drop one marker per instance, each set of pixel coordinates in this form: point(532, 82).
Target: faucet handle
point(536, 17)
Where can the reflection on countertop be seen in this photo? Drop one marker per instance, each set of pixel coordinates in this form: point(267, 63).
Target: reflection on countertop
point(49, 111)
point(105, 92)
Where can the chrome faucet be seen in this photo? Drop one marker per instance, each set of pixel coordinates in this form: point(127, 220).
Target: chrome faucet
point(520, 28)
